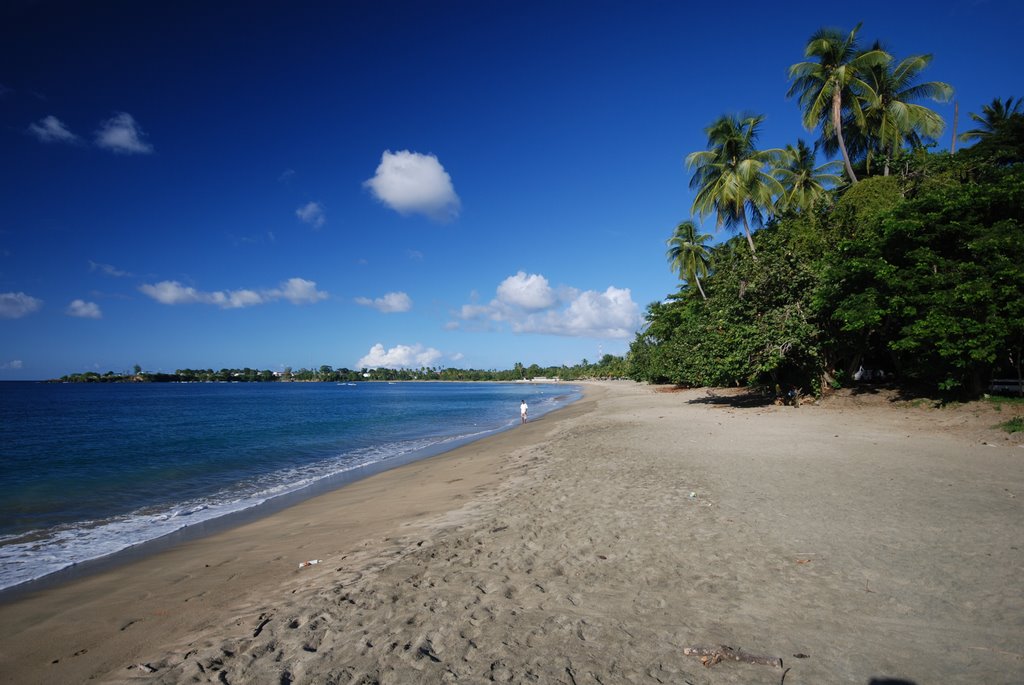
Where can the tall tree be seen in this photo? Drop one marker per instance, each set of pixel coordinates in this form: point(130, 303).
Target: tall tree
point(894, 118)
point(802, 181)
point(833, 83)
point(687, 254)
point(732, 177)
point(994, 116)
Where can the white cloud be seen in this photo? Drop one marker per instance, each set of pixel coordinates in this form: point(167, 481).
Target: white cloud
point(122, 134)
point(298, 291)
point(527, 291)
point(398, 357)
point(84, 310)
point(13, 364)
point(412, 183)
point(389, 304)
point(52, 130)
point(172, 292)
point(237, 299)
point(457, 357)
point(17, 305)
point(107, 269)
point(313, 214)
point(295, 290)
point(528, 304)
point(590, 314)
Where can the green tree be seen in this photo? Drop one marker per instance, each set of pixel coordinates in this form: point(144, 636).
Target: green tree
point(732, 177)
point(833, 83)
point(756, 326)
point(687, 254)
point(893, 117)
point(804, 183)
point(993, 117)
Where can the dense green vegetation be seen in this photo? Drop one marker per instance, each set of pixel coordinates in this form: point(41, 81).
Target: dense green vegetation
point(913, 264)
point(610, 366)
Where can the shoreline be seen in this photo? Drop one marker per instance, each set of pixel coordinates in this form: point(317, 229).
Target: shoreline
point(269, 505)
point(65, 607)
point(597, 542)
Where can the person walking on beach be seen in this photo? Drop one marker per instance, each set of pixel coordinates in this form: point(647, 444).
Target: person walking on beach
point(522, 410)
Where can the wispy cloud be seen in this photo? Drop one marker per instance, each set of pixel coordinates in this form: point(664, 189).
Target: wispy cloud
point(121, 134)
point(108, 270)
point(389, 303)
point(84, 310)
point(295, 290)
point(17, 305)
point(313, 214)
point(526, 303)
point(13, 364)
point(298, 291)
point(398, 357)
point(413, 183)
point(286, 176)
point(50, 129)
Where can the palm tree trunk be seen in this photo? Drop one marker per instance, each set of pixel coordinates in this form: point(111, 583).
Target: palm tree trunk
point(837, 123)
point(696, 278)
point(750, 240)
point(956, 115)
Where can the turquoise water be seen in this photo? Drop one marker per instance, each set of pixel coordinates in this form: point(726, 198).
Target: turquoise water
point(89, 470)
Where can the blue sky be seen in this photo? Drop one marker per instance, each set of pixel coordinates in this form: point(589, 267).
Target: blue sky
point(456, 183)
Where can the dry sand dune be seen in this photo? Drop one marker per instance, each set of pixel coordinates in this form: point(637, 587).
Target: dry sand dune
point(876, 541)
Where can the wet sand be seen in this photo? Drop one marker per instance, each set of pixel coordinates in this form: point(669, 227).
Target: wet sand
point(594, 545)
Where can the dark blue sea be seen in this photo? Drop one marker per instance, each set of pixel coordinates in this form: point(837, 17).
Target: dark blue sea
point(90, 470)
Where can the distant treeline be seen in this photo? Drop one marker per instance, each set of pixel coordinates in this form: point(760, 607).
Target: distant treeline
point(610, 366)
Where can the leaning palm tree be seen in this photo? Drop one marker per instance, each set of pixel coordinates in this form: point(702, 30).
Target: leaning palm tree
point(732, 177)
point(993, 116)
point(832, 84)
point(804, 182)
point(687, 254)
point(893, 118)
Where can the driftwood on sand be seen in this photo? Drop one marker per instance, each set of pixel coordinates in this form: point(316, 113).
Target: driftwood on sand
point(709, 656)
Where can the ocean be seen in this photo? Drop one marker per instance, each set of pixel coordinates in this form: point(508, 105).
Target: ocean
point(89, 470)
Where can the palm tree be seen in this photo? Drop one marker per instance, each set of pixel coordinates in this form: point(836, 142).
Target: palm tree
point(732, 177)
point(688, 255)
point(804, 182)
point(834, 83)
point(993, 117)
point(893, 118)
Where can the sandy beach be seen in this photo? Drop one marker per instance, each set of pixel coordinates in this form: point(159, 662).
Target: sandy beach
point(856, 540)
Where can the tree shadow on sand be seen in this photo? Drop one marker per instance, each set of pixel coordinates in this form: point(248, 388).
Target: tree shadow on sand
point(738, 398)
